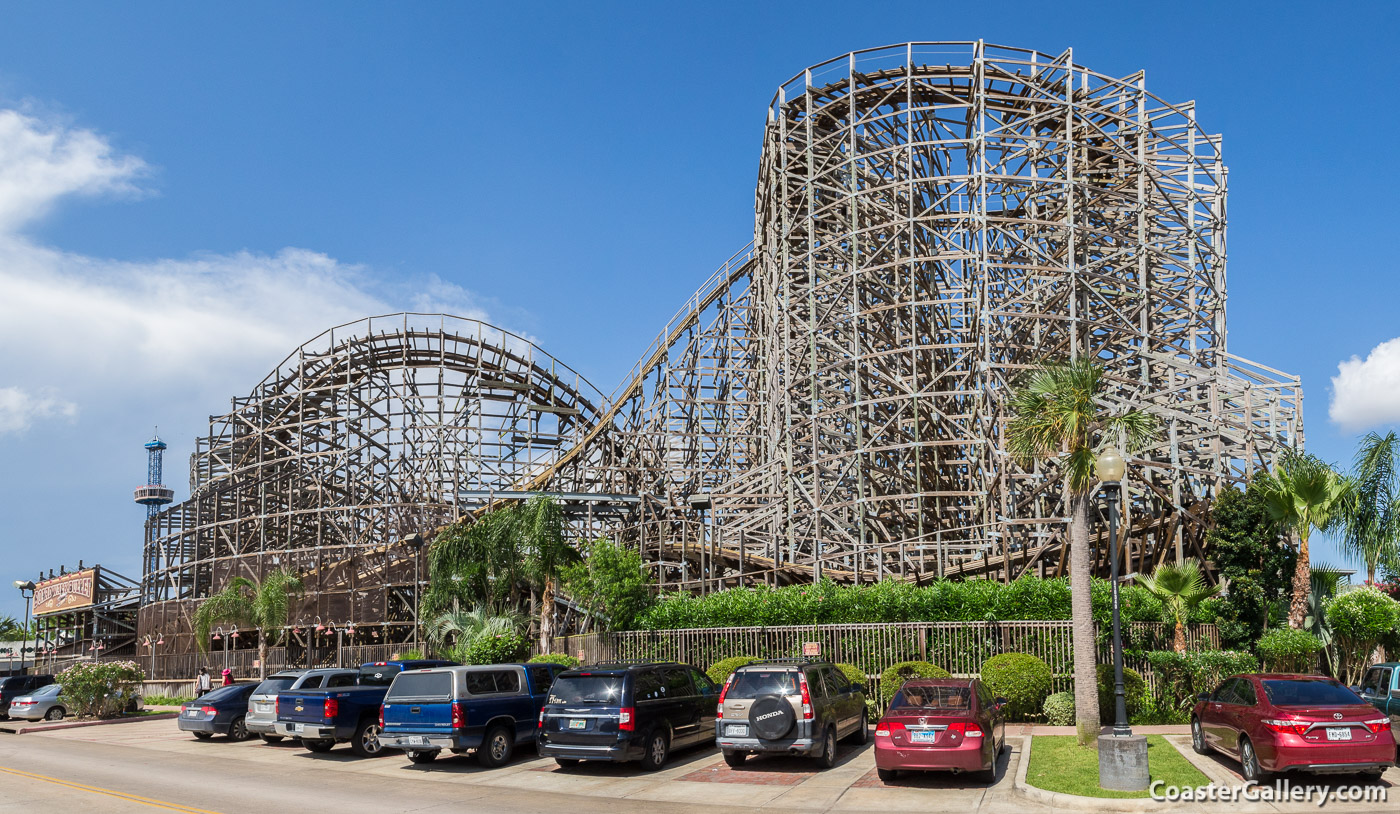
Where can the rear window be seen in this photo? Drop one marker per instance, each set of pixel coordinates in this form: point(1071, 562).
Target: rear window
point(1304, 693)
point(379, 675)
point(273, 685)
point(586, 690)
point(12, 683)
point(422, 687)
point(949, 698)
point(753, 683)
point(225, 693)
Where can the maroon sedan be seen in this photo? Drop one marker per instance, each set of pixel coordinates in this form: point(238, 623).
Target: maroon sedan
point(1276, 722)
point(941, 723)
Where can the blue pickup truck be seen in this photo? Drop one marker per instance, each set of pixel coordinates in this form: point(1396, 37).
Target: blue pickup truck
point(322, 718)
point(489, 708)
point(1381, 688)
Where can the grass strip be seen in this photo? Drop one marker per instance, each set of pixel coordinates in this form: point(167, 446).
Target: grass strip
point(1060, 765)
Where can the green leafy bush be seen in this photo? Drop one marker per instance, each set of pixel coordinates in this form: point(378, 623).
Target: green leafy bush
point(1360, 620)
point(720, 670)
point(611, 583)
point(499, 648)
point(1022, 679)
point(1134, 692)
point(167, 700)
point(854, 674)
point(555, 658)
point(100, 689)
point(1286, 650)
point(894, 677)
point(1059, 709)
point(1181, 676)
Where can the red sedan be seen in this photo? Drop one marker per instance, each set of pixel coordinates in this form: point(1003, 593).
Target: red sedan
point(1275, 722)
point(941, 723)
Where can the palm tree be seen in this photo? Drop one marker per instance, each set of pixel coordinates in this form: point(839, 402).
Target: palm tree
point(265, 606)
point(1372, 516)
point(1303, 494)
point(458, 628)
point(541, 527)
point(1181, 587)
point(1059, 415)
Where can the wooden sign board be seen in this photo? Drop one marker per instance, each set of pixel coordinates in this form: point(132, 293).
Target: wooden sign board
point(66, 593)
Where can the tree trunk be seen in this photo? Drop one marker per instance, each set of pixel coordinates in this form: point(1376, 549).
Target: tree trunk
point(262, 655)
point(547, 616)
point(1302, 586)
point(1179, 640)
point(1086, 680)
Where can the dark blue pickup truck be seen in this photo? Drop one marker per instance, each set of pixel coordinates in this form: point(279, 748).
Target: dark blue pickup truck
point(488, 708)
point(323, 718)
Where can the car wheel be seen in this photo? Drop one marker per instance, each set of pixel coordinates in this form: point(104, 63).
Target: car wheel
point(496, 748)
point(366, 741)
point(827, 758)
point(1198, 737)
point(566, 762)
point(204, 736)
point(426, 756)
point(658, 747)
point(1249, 762)
point(886, 775)
point(736, 759)
point(271, 738)
point(54, 714)
point(238, 730)
point(862, 733)
point(318, 744)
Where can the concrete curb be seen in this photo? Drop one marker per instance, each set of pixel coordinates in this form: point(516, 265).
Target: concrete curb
point(1058, 800)
point(13, 728)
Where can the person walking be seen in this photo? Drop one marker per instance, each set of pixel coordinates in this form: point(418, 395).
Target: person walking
point(201, 682)
point(228, 676)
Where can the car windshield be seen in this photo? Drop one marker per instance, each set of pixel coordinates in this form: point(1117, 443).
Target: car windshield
point(933, 697)
point(274, 685)
point(581, 689)
point(753, 683)
point(1302, 692)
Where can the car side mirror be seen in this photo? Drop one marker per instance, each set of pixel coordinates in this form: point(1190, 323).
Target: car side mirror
point(1204, 696)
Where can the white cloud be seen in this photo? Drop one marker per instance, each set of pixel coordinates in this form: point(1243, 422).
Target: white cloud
point(196, 330)
point(1366, 392)
point(20, 408)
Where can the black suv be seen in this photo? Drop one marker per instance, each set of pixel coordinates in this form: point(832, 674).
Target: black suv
point(631, 711)
point(15, 686)
point(789, 706)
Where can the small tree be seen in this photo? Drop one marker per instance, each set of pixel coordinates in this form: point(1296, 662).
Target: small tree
point(610, 584)
point(1372, 516)
point(1181, 588)
point(98, 689)
point(1360, 620)
point(1303, 494)
point(265, 606)
point(1286, 650)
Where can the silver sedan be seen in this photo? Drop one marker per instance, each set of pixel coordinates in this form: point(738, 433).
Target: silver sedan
point(43, 704)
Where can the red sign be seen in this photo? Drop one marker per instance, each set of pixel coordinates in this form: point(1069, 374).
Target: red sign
point(811, 648)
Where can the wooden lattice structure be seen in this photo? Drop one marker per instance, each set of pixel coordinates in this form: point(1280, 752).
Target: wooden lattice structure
point(932, 220)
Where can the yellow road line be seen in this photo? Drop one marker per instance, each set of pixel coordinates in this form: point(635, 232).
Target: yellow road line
point(120, 795)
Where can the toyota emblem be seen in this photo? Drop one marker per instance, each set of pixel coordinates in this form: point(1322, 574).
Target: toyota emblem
point(1337, 715)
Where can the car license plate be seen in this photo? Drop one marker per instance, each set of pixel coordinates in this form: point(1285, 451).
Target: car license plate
point(1338, 733)
point(736, 730)
point(189, 713)
point(578, 723)
point(417, 740)
point(295, 727)
point(926, 736)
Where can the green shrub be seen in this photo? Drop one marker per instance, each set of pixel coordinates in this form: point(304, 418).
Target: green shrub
point(720, 670)
point(501, 648)
point(1159, 711)
point(1181, 676)
point(1022, 679)
point(894, 677)
point(1286, 650)
point(555, 658)
point(1134, 692)
point(167, 700)
point(100, 689)
point(1360, 620)
point(854, 674)
point(410, 655)
point(1059, 709)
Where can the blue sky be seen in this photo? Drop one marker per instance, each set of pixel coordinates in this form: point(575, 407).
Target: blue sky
point(187, 192)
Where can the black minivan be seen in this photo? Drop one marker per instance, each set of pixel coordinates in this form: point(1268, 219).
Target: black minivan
point(622, 712)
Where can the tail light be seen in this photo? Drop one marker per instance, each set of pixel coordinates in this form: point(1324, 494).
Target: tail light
point(277, 706)
point(208, 711)
point(719, 708)
point(331, 708)
point(626, 720)
point(1286, 726)
point(459, 715)
point(1377, 725)
point(541, 719)
point(886, 728)
point(967, 729)
point(381, 717)
point(806, 699)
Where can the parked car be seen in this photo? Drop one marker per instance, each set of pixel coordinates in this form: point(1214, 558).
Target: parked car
point(949, 724)
point(262, 705)
point(223, 711)
point(1276, 722)
point(1380, 688)
point(490, 709)
point(624, 712)
point(792, 706)
point(44, 704)
point(321, 718)
point(15, 686)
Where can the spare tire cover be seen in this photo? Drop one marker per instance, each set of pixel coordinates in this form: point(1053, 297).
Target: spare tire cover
point(771, 716)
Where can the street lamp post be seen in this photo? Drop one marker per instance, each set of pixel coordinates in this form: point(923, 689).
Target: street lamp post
point(26, 590)
point(1111, 467)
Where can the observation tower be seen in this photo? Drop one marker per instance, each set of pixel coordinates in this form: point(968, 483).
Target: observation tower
point(154, 494)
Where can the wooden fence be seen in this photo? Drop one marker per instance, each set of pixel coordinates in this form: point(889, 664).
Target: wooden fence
point(958, 647)
point(184, 666)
